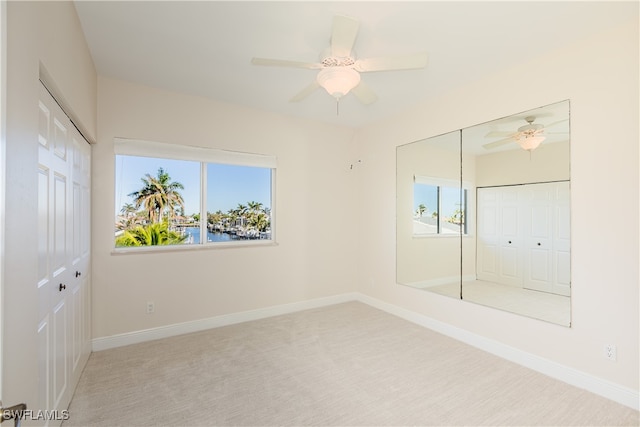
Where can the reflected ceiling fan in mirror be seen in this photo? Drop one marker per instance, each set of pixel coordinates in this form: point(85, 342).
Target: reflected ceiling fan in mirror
point(339, 69)
point(529, 136)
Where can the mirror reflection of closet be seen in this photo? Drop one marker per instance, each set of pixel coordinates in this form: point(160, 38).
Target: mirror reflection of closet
point(511, 217)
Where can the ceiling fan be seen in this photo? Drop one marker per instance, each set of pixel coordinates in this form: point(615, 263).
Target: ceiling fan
point(528, 136)
point(339, 69)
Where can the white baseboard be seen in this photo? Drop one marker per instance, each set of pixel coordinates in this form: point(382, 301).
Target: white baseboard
point(601, 387)
point(120, 340)
point(423, 284)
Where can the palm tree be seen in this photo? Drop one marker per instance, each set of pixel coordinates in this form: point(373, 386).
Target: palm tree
point(258, 218)
point(421, 209)
point(150, 235)
point(259, 221)
point(241, 210)
point(129, 217)
point(159, 196)
point(216, 219)
point(239, 213)
point(254, 206)
point(127, 222)
point(128, 209)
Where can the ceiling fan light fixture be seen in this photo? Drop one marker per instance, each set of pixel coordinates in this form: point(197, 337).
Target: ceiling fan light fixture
point(530, 142)
point(338, 81)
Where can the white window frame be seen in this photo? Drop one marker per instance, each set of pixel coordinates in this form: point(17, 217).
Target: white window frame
point(203, 156)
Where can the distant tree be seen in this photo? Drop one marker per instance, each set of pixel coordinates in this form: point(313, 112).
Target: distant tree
point(214, 218)
point(457, 217)
point(259, 221)
point(128, 209)
point(241, 210)
point(254, 206)
point(130, 217)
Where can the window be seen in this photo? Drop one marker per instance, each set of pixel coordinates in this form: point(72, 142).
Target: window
point(439, 207)
point(174, 195)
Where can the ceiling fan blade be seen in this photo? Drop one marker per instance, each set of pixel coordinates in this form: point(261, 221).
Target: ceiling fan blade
point(402, 62)
point(285, 63)
point(555, 123)
point(498, 133)
point(498, 143)
point(305, 92)
point(364, 93)
point(343, 36)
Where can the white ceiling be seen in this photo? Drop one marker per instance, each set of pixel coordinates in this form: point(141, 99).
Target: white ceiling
point(205, 47)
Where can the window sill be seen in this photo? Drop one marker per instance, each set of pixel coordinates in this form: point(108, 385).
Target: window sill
point(190, 248)
point(439, 236)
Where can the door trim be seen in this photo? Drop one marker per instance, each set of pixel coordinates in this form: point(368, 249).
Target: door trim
point(3, 133)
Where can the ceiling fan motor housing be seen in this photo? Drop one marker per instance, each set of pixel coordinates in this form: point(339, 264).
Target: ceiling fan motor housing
point(328, 60)
point(530, 128)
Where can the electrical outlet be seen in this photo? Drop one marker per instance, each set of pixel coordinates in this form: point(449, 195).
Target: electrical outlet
point(151, 307)
point(610, 352)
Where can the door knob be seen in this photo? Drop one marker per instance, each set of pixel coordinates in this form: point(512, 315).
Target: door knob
point(509, 241)
point(78, 274)
point(538, 243)
point(62, 287)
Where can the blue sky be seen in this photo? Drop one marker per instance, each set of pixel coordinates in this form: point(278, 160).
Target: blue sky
point(227, 185)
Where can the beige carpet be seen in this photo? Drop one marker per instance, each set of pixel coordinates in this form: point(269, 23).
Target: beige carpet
point(343, 365)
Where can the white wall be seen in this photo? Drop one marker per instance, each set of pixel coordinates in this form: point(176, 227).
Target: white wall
point(47, 36)
point(600, 77)
point(314, 214)
point(547, 163)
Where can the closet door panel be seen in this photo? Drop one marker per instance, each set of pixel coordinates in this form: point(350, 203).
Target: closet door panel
point(510, 237)
point(488, 237)
point(63, 255)
point(562, 240)
point(538, 238)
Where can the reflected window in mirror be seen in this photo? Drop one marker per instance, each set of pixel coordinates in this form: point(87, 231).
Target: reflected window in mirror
point(439, 207)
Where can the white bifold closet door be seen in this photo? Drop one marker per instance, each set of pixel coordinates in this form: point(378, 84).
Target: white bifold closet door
point(64, 162)
point(524, 236)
